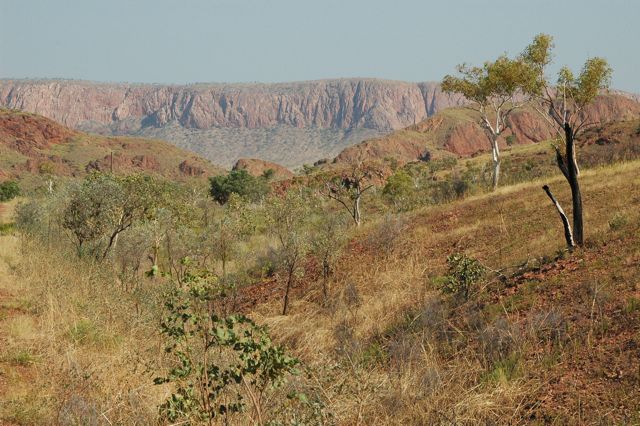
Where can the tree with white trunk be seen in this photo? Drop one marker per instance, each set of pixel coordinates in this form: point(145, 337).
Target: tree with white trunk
point(494, 91)
point(348, 187)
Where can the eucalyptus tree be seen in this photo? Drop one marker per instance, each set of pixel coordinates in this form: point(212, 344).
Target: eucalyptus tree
point(494, 90)
point(229, 228)
point(103, 206)
point(287, 217)
point(328, 237)
point(348, 187)
point(563, 105)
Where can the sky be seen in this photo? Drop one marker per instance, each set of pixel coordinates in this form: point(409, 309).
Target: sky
point(189, 41)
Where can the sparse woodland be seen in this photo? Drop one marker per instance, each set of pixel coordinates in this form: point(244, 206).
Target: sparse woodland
point(433, 293)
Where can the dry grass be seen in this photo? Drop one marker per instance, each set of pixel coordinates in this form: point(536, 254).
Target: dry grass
point(389, 348)
point(515, 225)
point(81, 346)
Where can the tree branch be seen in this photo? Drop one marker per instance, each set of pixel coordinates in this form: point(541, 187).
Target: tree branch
point(568, 235)
point(561, 164)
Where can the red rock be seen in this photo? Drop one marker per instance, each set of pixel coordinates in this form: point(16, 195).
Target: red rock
point(257, 167)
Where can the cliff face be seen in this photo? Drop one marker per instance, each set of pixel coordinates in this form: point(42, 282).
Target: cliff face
point(288, 123)
point(336, 104)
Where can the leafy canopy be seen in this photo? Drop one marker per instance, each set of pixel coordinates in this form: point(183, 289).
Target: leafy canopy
point(238, 182)
point(565, 101)
point(9, 190)
point(494, 82)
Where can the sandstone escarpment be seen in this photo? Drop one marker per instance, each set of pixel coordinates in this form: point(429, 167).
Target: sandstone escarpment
point(343, 103)
point(289, 123)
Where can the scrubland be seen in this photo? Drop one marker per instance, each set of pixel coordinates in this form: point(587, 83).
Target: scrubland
point(546, 336)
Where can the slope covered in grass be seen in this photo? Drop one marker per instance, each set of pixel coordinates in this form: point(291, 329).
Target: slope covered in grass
point(547, 336)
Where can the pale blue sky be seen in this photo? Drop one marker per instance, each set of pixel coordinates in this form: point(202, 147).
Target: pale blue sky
point(184, 41)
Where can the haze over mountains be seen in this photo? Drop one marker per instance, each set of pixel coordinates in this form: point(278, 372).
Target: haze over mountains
point(290, 123)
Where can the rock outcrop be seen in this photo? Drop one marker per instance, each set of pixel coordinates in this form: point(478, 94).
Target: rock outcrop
point(458, 132)
point(25, 132)
point(32, 144)
point(257, 167)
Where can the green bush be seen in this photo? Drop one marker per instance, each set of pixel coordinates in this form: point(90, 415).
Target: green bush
point(221, 362)
point(6, 228)
point(238, 182)
point(399, 189)
point(464, 273)
point(9, 190)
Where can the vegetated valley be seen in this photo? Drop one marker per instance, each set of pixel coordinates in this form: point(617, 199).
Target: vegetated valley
point(140, 284)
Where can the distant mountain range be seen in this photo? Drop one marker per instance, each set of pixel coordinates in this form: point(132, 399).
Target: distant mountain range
point(290, 123)
point(287, 123)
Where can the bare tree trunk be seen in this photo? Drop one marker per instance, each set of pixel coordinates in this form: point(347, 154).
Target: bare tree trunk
point(495, 152)
point(326, 270)
point(572, 178)
point(356, 210)
point(568, 235)
point(290, 271)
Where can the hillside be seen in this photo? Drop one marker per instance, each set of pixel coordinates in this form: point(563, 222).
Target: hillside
point(456, 131)
point(257, 167)
point(289, 123)
point(32, 144)
point(548, 337)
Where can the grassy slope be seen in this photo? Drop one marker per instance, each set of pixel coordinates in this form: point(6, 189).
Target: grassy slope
point(572, 326)
point(553, 341)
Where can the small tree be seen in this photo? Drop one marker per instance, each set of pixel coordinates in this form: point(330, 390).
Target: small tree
point(238, 182)
point(86, 215)
point(348, 188)
point(564, 108)
point(105, 206)
point(221, 362)
point(228, 229)
point(138, 199)
point(494, 90)
point(328, 238)
point(287, 217)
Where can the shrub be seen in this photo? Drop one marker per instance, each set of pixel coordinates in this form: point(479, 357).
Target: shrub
point(6, 228)
point(221, 362)
point(618, 221)
point(511, 139)
point(383, 237)
point(464, 273)
point(9, 190)
point(29, 217)
point(399, 189)
point(237, 182)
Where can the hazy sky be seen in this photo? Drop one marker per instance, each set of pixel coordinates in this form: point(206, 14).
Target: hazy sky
point(184, 41)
